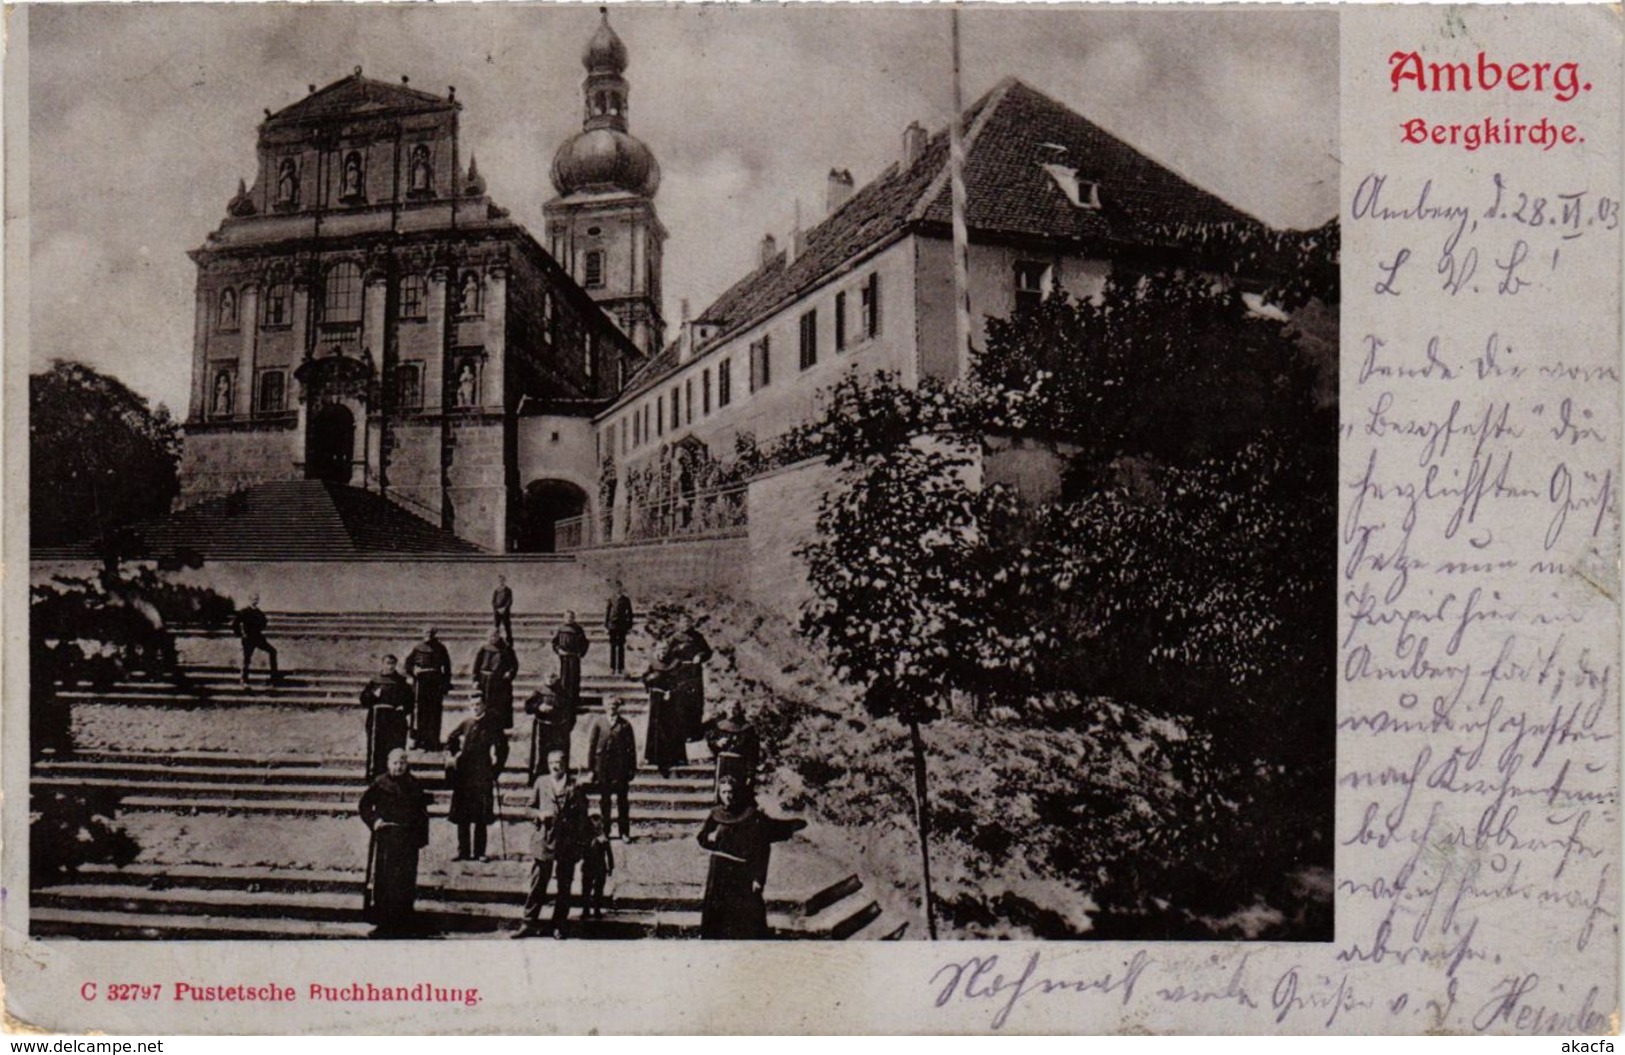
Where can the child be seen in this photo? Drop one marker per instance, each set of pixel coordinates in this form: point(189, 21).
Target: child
point(597, 864)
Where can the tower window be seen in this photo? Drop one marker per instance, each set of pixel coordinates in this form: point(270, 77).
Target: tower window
point(273, 391)
point(840, 321)
point(871, 306)
point(276, 304)
point(341, 296)
point(595, 269)
point(809, 339)
point(1033, 283)
point(414, 297)
point(724, 382)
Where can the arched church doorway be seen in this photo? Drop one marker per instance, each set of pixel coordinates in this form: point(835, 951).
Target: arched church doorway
point(330, 445)
point(541, 506)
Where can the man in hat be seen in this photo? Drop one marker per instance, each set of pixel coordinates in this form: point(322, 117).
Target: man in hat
point(396, 808)
point(494, 668)
point(618, 620)
point(562, 833)
point(429, 666)
point(612, 761)
point(570, 644)
point(388, 700)
point(479, 750)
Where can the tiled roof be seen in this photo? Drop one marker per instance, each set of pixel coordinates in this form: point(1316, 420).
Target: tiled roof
point(1008, 192)
point(357, 95)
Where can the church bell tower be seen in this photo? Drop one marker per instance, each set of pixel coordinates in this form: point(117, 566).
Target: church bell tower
point(602, 227)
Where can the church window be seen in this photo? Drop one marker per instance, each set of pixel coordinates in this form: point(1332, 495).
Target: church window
point(273, 391)
point(688, 399)
point(276, 304)
point(409, 386)
point(468, 294)
point(660, 415)
point(809, 339)
point(594, 278)
point(871, 306)
point(705, 392)
point(341, 296)
point(352, 187)
point(228, 309)
point(414, 297)
point(422, 177)
point(840, 321)
point(676, 408)
point(287, 182)
point(761, 363)
point(1033, 283)
point(724, 382)
point(637, 427)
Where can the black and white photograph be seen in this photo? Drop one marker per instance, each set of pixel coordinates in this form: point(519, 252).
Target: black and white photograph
point(561, 472)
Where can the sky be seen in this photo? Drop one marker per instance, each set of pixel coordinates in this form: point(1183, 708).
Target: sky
point(142, 118)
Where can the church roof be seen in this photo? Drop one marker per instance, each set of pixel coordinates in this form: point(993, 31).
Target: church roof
point(357, 96)
point(1012, 133)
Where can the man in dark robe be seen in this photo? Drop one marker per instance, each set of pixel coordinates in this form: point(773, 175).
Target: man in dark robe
point(396, 808)
point(502, 608)
point(429, 666)
point(249, 625)
point(479, 750)
point(618, 620)
point(612, 762)
point(739, 838)
point(570, 644)
point(665, 746)
point(553, 720)
point(388, 700)
point(494, 668)
point(736, 745)
point(562, 833)
point(690, 652)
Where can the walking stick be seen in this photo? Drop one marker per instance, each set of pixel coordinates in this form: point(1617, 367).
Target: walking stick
point(502, 828)
point(367, 883)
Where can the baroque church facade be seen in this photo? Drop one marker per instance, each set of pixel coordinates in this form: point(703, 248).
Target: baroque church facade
point(368, 317)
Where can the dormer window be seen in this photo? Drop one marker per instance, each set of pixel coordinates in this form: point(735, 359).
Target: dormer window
point(1083, 193)
point(352, 187)
point(287, 182)
point(421, 180)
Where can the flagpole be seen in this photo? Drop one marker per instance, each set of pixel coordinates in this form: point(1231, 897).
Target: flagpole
point(956, 182)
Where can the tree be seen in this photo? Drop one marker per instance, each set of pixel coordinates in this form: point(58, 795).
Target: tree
point(101, 458)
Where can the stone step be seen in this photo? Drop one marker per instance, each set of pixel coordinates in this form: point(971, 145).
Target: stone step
point(350, 764)
point(126, 776)
point(281, 696)
point(182, 793)
point(221, 674)
point(512, 809)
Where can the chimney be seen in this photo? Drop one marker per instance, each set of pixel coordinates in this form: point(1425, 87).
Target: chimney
point(793, 250)
point(770, 250)
point(683, 306)
point(840, 189)
point(913, 144)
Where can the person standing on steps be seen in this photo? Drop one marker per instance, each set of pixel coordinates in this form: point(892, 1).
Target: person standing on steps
point(502, 609)
point(570, 645)
point(612, 762)
point(429, 666)
point(664, 745)
point(597, 865)
point(736, 746)
point(495, 666)
point(249, 624)
point(739, 838)
point(388, 700)
point(690, 651)
point(396, 808)
point(479, 750)
point(559, 806)
point(553, 718)
point(618, 620)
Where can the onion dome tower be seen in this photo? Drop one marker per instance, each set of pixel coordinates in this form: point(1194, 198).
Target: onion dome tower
point(602, 227)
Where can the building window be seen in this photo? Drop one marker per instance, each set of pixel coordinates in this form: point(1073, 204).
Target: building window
point(688, 399)
point(228, 309)
point(351, 189)
point(625, 434)
point(595, 269)
point(637, 427)
point(287, 182)
point(414, 297)
point(409, 386)
point(421, 180)
point(341, 295)
point(809, 339)
point(705, 392)
point(276, 304)
point(660, 415)
point(469, 294)
point(871, 306)
point(840, 321)
point(1033, 283)
point(273, 391)
point(221, 400)
point(724, 382)
point(676, 408)
point(646, 433)
point(761, 363)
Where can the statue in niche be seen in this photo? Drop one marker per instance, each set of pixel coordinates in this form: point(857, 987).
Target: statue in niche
point(466, 386)
point(222, 395)
point(352, 176)
point(470, 297)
